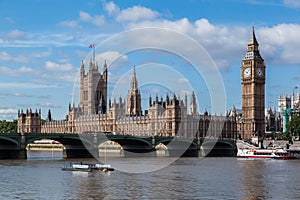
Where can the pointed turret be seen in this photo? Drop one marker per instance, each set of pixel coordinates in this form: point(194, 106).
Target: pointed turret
point(134, 97)
point(150, 101)
point(105, 66)
point(49, 118)
point(167, 99)
point(133, 84)
point(82, 67)
point(253, 45)
point(253, 40)
point(91, 64)
point(193, 104)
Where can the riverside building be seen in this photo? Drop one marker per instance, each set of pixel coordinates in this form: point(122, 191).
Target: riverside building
point(169, 116)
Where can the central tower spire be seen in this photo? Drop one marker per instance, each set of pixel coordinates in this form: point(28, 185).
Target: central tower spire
point(253, 40)
point(134, 97)
point(134, 83)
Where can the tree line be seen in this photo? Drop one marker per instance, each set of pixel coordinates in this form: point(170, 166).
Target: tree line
point(8, 126)
point(293, 126)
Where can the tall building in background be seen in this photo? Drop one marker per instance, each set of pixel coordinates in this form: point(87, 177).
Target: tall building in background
point(253, 90)
point(93, 89)
point(288, 106)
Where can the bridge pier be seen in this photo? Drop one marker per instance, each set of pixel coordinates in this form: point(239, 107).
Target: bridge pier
point(218, 152)
point(218, 149)
point(13, 154)
point(183, 148)
point(14, 148)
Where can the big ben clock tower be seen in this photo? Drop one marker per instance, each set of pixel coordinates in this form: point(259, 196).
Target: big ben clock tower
point(253, 91)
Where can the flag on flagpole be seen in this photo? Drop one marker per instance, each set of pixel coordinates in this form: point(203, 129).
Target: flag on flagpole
point(296, 87)
point(91, 46)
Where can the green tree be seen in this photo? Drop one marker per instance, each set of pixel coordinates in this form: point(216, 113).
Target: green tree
point(293, 126)
point(8, 126)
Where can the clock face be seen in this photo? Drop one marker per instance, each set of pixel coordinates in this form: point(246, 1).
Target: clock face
point(259, 72)
point(247, 72)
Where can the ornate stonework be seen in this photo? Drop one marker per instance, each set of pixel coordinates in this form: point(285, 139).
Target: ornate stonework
point(253, 91)
point(165, 117)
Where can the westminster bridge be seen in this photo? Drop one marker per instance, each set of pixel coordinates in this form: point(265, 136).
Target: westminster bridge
point(13, 145)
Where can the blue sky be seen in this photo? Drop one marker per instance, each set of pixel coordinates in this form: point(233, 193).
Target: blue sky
point(42, 43)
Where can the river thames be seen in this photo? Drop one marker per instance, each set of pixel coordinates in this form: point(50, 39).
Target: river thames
point(41, 177)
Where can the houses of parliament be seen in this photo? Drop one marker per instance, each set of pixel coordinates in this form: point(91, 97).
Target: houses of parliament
point(169, 116)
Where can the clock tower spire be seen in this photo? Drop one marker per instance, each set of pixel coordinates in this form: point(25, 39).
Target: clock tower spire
point(253, 90)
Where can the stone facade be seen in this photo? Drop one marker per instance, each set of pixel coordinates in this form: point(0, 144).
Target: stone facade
point(171, 116)
point(253, 91)
point(29, 122)
point(273, 120)
point(288, 106)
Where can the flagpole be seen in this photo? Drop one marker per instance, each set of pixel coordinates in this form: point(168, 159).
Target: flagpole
point(94, 54)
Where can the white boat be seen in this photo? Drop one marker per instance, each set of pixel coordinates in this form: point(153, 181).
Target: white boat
point(102, 167)
point(264, 154)
point(77, 167)
point(87, 167)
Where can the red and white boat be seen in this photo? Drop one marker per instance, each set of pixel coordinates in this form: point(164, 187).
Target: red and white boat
point(264, 154)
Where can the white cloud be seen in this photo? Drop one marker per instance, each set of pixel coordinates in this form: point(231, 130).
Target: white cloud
point(84, 16)
point(182, 80)
point(15, 72)
point(223, 43)
point(24, 69)
point(131, 14)
point(282, 41)
point(112, 56)
point(227, 44)
point(136, 13)
point(16, 94)
point(23, 85)
point(69, 24)
point(42, 54)
point(48, 105)
point(292, 3)
point(8, 113)
point(67, 77)
point(111, 7)
point(16, 35)
point(52, 66)
point(81, 54)
point(7, 57)
point(97, 20)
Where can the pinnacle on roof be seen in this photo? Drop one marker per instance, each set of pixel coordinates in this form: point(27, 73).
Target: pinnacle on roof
point(134, 84)
point(253, 38)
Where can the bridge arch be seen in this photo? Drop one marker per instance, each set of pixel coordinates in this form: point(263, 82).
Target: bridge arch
point(133, 146)
point(111, 147)
point(74, 145)
point(218, 148)
point(9, 140)
point(179, 146)
point(64, 140)
point(9, 147)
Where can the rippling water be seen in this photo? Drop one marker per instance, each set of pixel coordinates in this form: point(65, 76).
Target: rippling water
point(41, 177)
